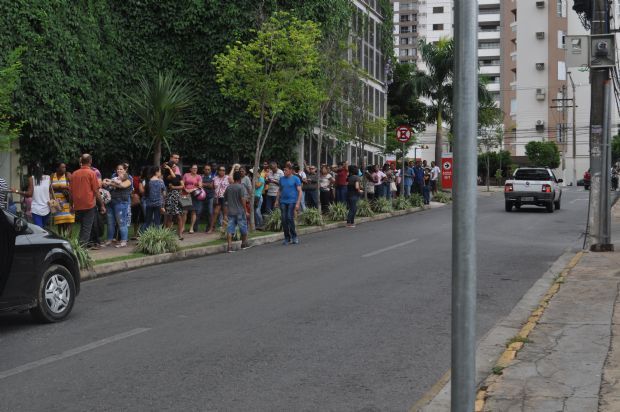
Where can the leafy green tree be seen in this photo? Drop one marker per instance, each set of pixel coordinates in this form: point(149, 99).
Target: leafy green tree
point(275, 75)
point(164, 107)
point(9, 77)
point(543, 154)
point(615, 148)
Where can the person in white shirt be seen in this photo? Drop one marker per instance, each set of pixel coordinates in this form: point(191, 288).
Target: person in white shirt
point(40, 189)
point(435, 172)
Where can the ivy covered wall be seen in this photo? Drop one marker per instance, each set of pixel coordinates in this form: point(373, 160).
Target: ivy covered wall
point(83, 58)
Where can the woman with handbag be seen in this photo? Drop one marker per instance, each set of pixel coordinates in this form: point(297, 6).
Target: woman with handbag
point(119, 206)
point(193, 190)
point(174, 206)
point(40, 190)
point(64, 218)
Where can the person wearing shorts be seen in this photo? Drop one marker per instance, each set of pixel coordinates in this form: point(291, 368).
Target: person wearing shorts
point(235, 200)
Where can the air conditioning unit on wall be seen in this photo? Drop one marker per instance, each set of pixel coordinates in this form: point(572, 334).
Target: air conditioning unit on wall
point(540, 94)
point(540, 125)
point(540, 4)
point(540, 35)
point(540, 66)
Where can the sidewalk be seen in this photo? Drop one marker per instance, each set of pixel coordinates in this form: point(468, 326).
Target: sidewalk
point(566, 356)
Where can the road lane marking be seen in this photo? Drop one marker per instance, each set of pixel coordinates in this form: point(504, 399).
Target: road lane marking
point(71, 352)
point(376, 252)
point(575, 200)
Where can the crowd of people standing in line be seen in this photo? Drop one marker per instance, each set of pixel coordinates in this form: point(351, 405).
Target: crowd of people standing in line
point(216, 194)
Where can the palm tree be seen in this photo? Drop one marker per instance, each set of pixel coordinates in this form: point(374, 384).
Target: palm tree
point(164, 108)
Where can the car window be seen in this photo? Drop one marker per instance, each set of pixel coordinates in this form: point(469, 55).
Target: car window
point(532, 174)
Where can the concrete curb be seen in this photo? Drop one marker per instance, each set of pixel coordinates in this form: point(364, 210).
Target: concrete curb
point(492, 345)
point(192, 253)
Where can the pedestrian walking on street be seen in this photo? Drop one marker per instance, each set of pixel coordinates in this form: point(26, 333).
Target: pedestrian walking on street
point(289, 199)
point(354, 192)
point(118, 213)
point(235, 202)
point(85, 196)
point(64, 218)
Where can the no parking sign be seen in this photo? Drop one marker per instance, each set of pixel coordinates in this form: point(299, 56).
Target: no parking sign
point(446, 171)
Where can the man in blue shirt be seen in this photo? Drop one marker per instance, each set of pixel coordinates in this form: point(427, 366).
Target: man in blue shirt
point(418, 177)
point(289, 199)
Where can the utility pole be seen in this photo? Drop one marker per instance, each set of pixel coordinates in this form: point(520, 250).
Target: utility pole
point(463, 383)
point(600, 208)
point(572, 83)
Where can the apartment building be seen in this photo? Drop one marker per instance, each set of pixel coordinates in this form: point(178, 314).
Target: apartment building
point(406, 30)
point(366, 51)
point(533, 72)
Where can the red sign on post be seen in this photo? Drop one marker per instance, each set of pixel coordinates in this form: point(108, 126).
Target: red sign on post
point(446, 171)
point(403, 134)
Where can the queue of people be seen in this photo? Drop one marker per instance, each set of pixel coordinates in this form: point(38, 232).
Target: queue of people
point(214, 194)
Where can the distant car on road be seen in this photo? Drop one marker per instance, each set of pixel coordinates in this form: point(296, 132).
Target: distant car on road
point(586, 179)
point(39, 271)
point(533, 186)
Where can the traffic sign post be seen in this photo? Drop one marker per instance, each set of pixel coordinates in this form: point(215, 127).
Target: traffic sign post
point(403, 134)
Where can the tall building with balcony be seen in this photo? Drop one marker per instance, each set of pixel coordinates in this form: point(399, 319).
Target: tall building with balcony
point(406, 30)
point(533, 71)
point(489, 44)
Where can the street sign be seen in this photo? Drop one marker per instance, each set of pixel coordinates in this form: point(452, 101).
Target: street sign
point(403, 134)
point(446, 172)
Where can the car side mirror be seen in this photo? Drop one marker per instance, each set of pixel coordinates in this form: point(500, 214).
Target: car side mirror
point(560, 180)
point(21, 226)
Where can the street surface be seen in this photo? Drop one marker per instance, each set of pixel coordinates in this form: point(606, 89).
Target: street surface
point(351, 319)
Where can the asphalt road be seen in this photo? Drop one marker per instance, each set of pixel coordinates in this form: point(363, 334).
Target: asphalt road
point(350, 319)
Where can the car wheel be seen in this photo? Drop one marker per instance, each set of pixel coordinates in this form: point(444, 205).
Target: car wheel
point(508, 206)
point(557, 204)
point(55, 295)
point(549, 207)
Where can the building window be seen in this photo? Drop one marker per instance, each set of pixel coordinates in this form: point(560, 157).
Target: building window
point(561, 40)
point(414, 29)
point(404, 17)
point(404, 40)
point(404, 29)
point(437, 10)
point(414, 17)
point(404, 52)
point(437, 27)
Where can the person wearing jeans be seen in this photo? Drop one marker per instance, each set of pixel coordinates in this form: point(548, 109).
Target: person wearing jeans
point(118, 215)
point(342, 175)
point(289, 199)
point(258, 201)
point(85, 195)
point(354, 191)
point(154, 189)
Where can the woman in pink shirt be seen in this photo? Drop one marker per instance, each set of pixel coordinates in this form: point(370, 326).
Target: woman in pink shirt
point(193, 181)
point(220, 183)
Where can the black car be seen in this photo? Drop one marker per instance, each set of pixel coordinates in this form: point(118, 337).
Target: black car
point(38, 270)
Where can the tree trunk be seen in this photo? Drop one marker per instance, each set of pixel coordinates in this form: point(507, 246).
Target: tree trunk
point(438, 138)
point(488, 172)
point(318, 161)
point(157, 152)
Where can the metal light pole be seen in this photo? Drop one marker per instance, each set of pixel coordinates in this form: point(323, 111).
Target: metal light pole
point(572, 83)
point(465, 207)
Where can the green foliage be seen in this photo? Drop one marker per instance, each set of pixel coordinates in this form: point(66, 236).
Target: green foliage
point(311, 217)
point(615, 148)
point(442, 197)
point(9, 78)
point(543, 154)
point(382, 205)
point(157, 240)
point(416, 200)
point(495, 158)
point(401, 203)
point(163, 107)
point(337, 211)
point(364, 208)
point(84, 60)
point(273, 221)
point(84, 259)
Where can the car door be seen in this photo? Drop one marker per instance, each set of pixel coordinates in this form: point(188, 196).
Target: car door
point(18, 284)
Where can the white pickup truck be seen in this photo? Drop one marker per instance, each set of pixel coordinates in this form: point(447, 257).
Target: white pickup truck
point(533, 186)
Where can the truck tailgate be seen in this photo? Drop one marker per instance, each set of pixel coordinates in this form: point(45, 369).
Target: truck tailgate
point(527, 186)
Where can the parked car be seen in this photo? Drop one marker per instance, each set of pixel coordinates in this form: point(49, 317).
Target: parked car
point(586, 179)
point(38, 270)
point(533, 186)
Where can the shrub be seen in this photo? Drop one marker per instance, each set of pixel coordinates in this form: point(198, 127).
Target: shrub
point(416, 200)
point(382, 205)
point(401, 203)
point(84, 259)
point(273, 221)
point(364, 209)
point(337, 211)
point(311, 217)
point(442, 197)
point(157, 240)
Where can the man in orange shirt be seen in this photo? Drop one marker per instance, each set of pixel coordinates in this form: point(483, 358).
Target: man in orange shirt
point(84, 193)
